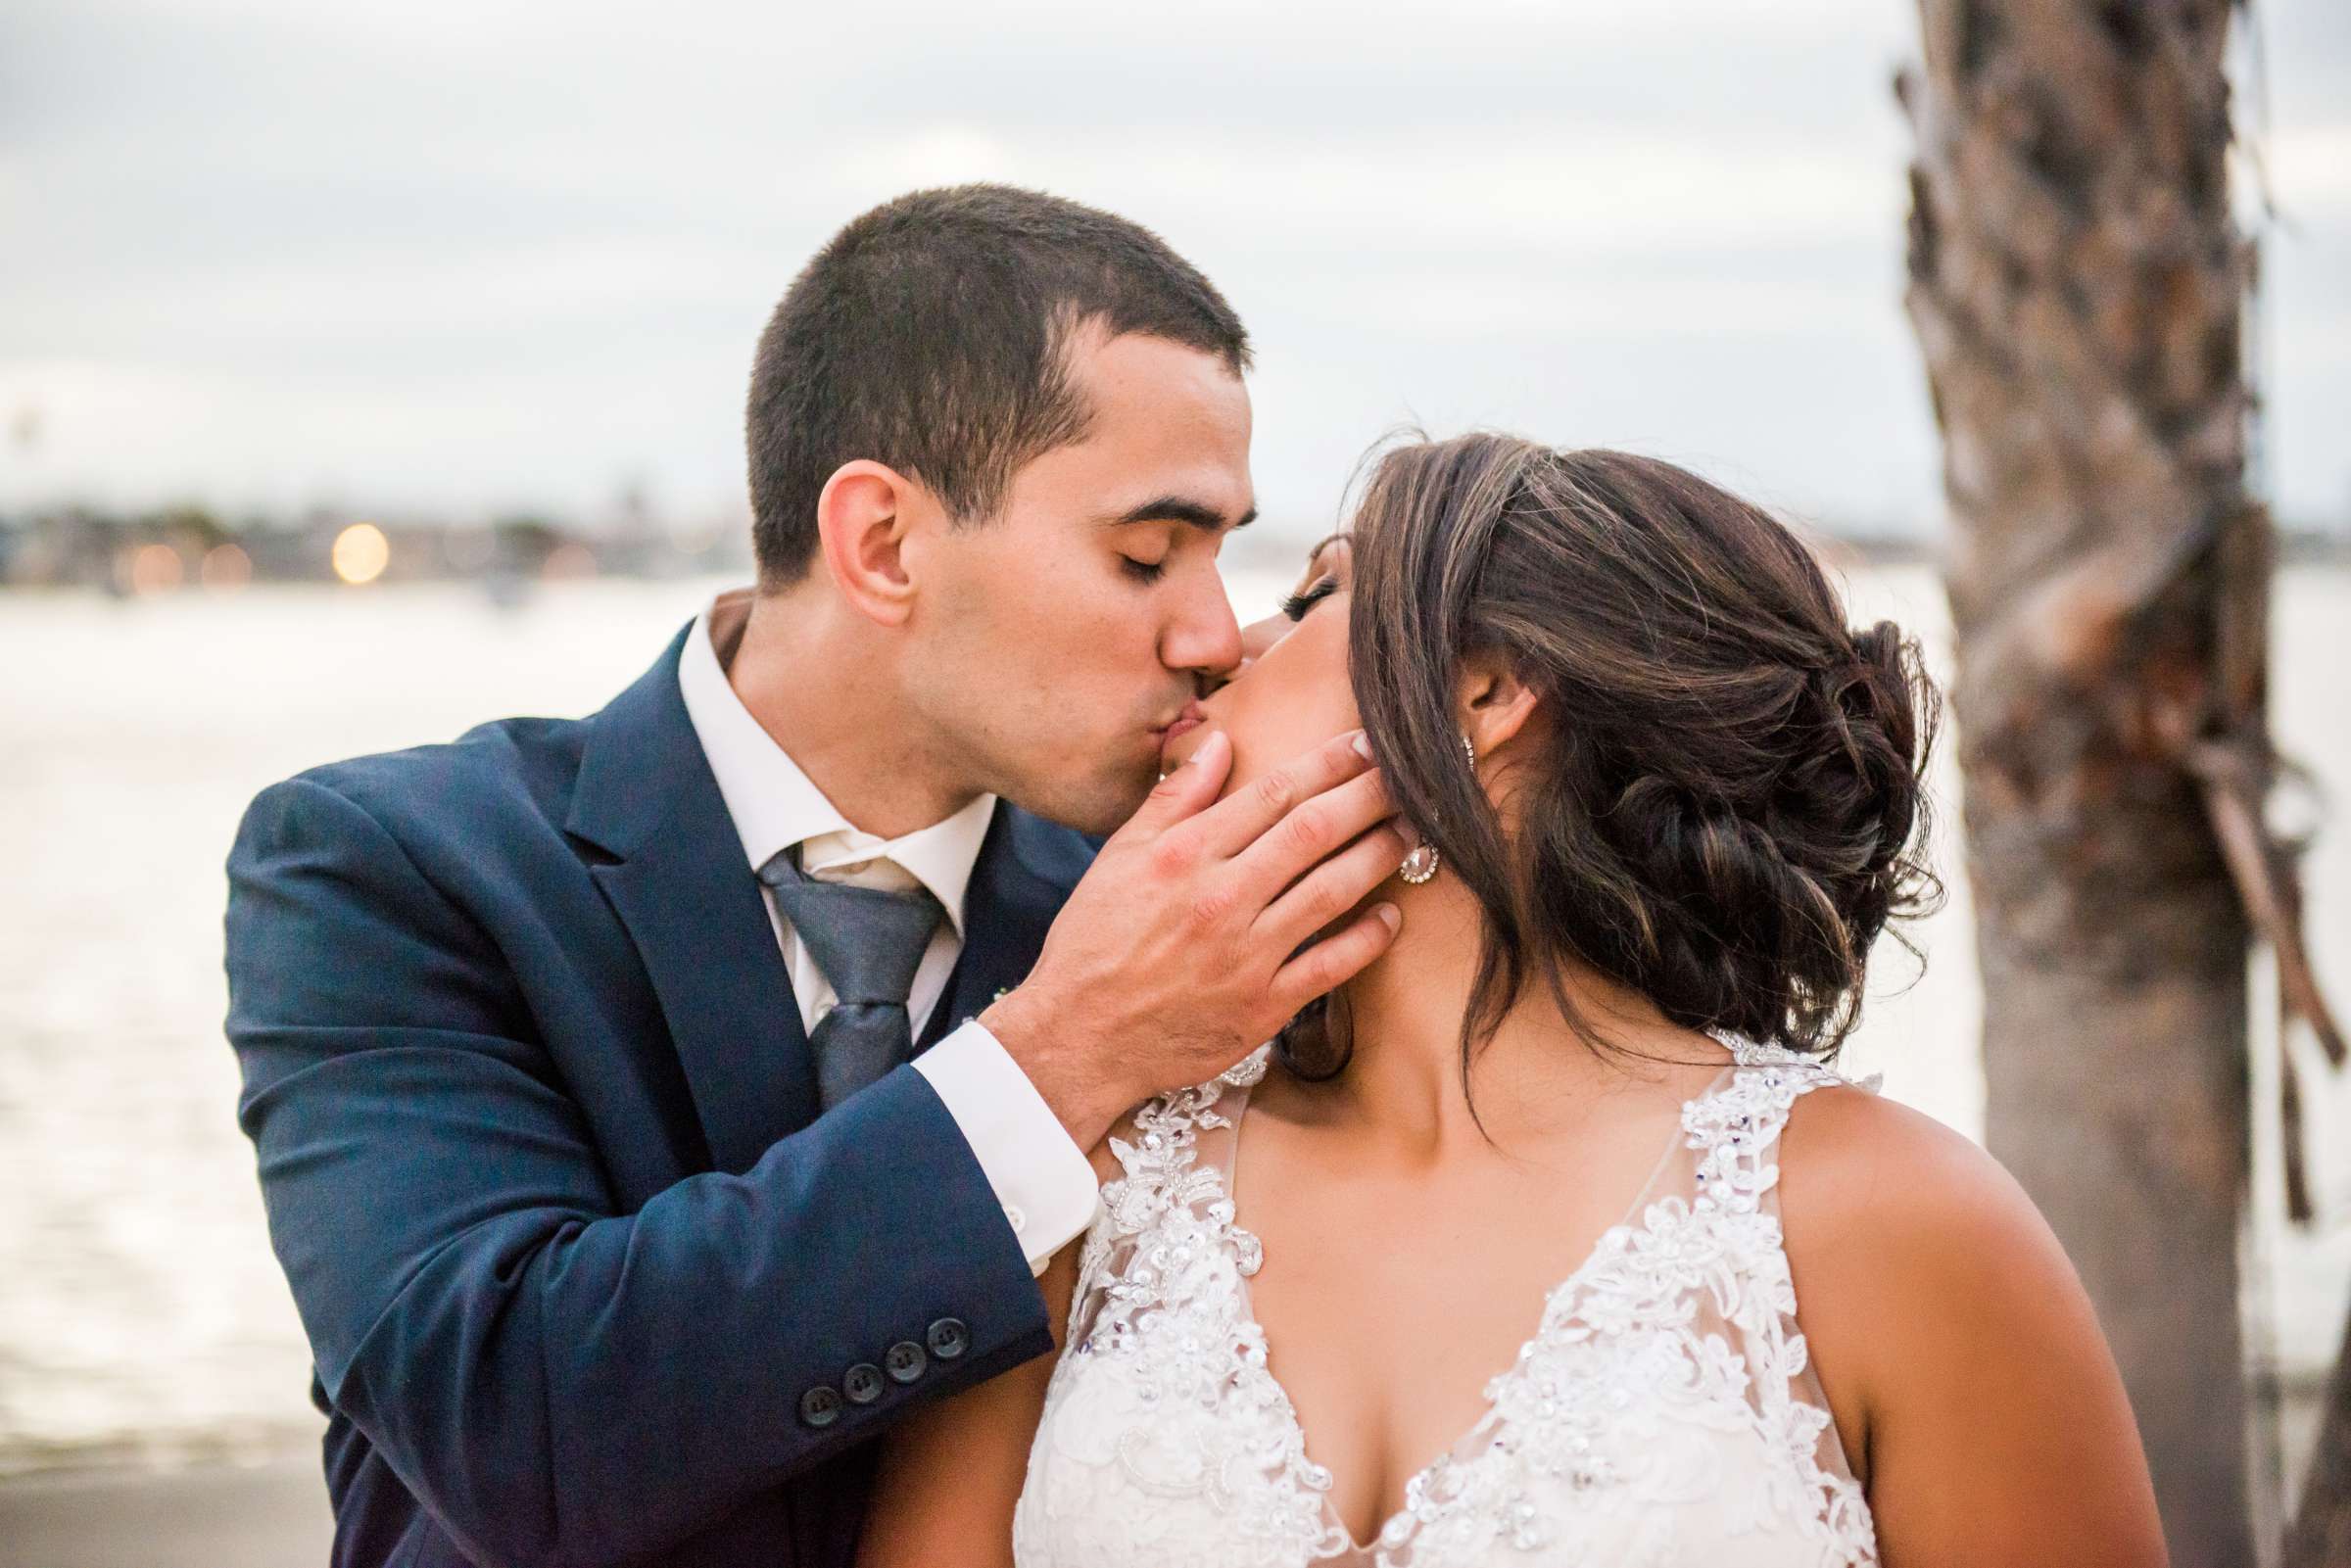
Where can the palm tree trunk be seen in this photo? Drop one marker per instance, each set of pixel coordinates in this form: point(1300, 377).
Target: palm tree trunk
point(2075, 283)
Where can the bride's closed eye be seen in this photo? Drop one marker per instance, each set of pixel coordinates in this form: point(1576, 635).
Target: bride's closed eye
point(1297, 604)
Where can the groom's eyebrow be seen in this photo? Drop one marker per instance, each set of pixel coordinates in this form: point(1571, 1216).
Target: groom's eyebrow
point(1178, 509)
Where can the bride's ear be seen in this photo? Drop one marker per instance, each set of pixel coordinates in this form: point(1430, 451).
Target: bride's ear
point(1493, 702)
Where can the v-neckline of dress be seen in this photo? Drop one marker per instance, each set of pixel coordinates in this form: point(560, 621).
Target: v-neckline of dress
point(1388, 1535)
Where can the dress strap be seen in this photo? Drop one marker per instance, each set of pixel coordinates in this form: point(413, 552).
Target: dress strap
point(1169, 1128)
point(1735, 1129)
point(1174, 1158)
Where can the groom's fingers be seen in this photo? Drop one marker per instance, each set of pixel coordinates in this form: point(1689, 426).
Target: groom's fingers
point(1335, 960)
point(1186, 790)
point(1309, 834)
point(1332, 888)
point(1287, 795)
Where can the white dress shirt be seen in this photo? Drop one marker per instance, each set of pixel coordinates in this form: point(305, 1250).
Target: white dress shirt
point(1038, 1173)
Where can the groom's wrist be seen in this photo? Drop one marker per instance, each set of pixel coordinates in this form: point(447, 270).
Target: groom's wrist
point(1035, 1169)
point(1069, 1070)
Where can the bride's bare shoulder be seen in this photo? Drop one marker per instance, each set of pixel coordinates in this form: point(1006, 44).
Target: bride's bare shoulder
point(1959, 1353)
point(1860, 1170)
point(1892, 1219)
point(1927, 1283)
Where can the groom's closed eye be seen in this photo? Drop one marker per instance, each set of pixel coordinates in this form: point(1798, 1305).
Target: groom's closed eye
point(1142, 571)
point(1147, 567)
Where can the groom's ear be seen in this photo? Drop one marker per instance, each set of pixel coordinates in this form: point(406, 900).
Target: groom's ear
point(862, 518)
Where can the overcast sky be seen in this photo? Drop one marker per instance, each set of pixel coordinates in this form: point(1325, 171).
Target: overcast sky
point(266, 253)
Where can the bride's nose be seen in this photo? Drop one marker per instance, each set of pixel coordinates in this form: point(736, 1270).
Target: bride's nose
point(1259, 635)
point(1255, 638)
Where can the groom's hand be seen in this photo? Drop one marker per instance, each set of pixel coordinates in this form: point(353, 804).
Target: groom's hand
point(1201, 930)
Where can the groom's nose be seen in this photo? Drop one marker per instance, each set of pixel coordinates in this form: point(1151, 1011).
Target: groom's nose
point(1204, 638)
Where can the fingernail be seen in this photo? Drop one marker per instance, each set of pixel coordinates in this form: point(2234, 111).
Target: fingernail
point(1389, 915)
point(1362, 746)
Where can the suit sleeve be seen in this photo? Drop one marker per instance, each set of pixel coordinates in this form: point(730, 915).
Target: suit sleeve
point(556, 1381)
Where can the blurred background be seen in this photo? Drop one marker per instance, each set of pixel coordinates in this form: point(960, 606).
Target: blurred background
point(367, 372)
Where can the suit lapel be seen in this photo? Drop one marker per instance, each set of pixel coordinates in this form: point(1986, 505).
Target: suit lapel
point(693, 910)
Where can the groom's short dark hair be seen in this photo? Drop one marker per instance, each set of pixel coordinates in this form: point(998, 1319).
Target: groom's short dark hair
point(929, 335)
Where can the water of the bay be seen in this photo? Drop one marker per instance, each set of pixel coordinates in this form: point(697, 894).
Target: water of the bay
point(142, 1318)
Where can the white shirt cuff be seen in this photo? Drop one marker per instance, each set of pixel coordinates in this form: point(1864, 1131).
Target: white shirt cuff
point(1040, 1174)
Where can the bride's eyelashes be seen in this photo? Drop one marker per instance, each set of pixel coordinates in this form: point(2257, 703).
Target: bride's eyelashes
point(1297, 604)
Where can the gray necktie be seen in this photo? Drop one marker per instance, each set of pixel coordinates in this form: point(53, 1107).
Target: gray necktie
point(868, 942)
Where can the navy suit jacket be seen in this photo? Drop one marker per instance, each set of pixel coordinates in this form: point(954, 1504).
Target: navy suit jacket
point(537, 1137)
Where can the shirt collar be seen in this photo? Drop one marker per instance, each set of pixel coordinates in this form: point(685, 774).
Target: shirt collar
point(774, 805)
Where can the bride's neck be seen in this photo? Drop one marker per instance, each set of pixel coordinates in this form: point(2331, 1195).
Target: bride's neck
point(1405, 1014)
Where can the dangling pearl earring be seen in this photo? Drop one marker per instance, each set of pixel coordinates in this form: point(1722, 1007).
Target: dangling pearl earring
point(1422, 864)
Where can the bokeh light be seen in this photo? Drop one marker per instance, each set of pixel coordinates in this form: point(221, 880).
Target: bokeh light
point(569, 562)
point(224, 566)
point(362, 553)
point(154, 569)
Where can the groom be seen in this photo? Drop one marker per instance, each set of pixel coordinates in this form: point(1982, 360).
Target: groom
point(653, 1109)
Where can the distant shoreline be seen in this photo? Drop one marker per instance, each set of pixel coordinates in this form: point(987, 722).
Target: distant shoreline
point(2308, 548)
point(237, 1446)
point(177, 551)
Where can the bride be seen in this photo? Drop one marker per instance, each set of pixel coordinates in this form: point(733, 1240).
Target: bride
point(1554, 1237)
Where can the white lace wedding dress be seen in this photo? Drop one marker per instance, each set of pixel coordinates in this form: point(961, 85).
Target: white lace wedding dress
point(1664, 1415)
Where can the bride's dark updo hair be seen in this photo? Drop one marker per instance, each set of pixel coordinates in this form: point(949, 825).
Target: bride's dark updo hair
point(1725, 806)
